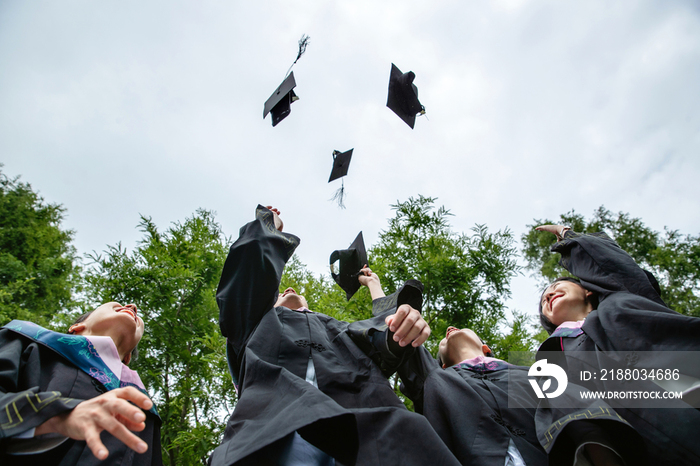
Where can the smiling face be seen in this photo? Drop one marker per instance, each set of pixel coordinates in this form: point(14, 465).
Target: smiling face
point(121, 323)
point(460, 344)
point(291, 300)
point(565, 301)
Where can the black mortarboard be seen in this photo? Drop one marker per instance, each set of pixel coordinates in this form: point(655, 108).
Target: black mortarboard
point(403, 96)
point(279, 102)
point(341, 163)
point(351, 261)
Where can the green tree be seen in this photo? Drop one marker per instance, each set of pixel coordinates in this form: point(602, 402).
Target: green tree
point(172, 277)
point(672, 257)
point(466, 276)
point(38, 269)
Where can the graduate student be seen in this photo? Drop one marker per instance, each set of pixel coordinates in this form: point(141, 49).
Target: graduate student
point(464, 394)
point(307, 393)
point(70, 399)
point(612, 317)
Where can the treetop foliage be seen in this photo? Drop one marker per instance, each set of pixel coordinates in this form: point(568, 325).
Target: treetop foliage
point(38, 264)
point(172, 277)
point(466, 276)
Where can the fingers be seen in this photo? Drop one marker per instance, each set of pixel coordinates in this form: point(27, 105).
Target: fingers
point(138, 398)
point(129, 424)
point(422, 336)
point(279, 224)
point(273, 209)
point(113, 412)
point(409, 327)
point(556, 230)
point(370, 279)
point(119, 430)
point(398, 318)
point(389, 320)
point(550, 228)
point(92, 438)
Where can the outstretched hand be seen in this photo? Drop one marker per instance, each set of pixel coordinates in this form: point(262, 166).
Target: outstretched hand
point(371, 281)
point(367, 276)
point(276, 215)
point(110, 411)
point(557, 230)
point(408, 326)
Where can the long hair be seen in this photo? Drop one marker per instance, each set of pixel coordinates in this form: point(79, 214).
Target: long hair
point(546, 323)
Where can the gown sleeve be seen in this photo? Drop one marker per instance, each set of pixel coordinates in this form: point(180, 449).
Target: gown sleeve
point(414, 373)
point(250, 279)
point(563, 431)
point(603, 266)
point(375, 339)
point(23, 408)
point(373, 336)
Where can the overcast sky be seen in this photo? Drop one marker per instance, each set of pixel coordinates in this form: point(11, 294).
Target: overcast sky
point(534, 108)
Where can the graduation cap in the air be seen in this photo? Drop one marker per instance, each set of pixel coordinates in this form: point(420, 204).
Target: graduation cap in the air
point(350, 263)
point(279, 103)
point(341, 163)
point(403, 96)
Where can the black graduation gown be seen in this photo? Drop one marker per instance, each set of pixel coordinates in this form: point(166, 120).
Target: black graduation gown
point(469, 409)
point(353, 415)
point(38, 383)
point(631, 317)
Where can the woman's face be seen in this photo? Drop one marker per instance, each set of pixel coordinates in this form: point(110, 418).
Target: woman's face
point(565, 301)
point(122, 323)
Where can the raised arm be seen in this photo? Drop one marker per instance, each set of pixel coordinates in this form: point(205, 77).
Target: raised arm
point(250, 280)
point(599, 263)
point(371, 281)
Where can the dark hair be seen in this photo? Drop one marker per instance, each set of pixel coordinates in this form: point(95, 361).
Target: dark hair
point(80, 319)
point(546, 323)
point(83, 318)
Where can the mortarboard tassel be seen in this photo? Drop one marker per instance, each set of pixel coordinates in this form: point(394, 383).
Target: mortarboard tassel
point(303, 43)
point(339, 195)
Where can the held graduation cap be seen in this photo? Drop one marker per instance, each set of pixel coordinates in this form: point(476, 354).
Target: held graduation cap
point(350, 263)
point(279, 103)
point(341, 163)
point(403, 96)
